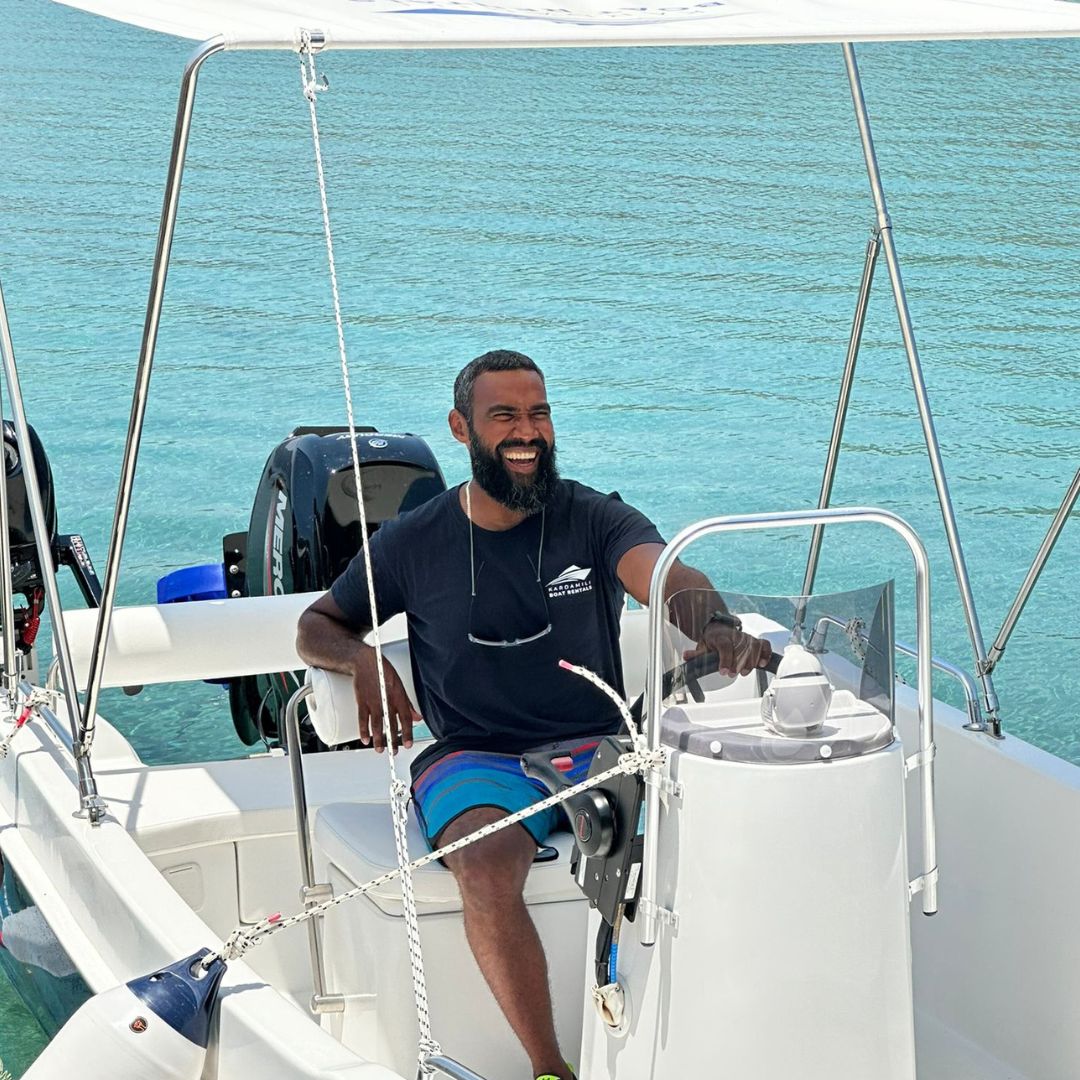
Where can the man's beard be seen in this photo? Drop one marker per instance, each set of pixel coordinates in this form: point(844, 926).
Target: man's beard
point(527, 495)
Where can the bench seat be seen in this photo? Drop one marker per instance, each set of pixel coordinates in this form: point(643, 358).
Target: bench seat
point(358, 838)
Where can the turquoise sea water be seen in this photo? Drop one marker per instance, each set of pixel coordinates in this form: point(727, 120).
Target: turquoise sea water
point(676, 237)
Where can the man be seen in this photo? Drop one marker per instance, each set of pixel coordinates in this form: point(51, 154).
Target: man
point(501, 578)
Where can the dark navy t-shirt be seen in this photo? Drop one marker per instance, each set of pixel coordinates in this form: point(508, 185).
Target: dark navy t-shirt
point(487, 697)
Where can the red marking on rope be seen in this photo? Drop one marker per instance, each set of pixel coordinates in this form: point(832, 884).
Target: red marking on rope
point(566, 665)
point(23, 717)
point(274, 918)
point(33, 621)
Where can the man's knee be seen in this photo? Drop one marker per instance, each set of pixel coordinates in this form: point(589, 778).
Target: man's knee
point(491, 870)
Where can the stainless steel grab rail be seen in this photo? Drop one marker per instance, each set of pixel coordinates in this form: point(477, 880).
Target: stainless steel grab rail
point(450, 1067)
point(311, 892)
point(971, 691)
point(649, 911)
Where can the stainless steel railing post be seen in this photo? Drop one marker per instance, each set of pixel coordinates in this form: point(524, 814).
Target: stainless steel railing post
point(89, 799)
point(310, 891)
point(648, 909)
point(1033, 573)
point(907, 332)
point(7, 592)
point(142, 378)
point(873, 247)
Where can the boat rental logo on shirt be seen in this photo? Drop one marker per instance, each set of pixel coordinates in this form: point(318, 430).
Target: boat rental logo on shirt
point(573, 580)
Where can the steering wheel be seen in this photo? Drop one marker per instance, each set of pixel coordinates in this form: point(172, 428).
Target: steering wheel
point(693, 671)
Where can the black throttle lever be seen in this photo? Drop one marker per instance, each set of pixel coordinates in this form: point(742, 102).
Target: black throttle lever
point(591, 813)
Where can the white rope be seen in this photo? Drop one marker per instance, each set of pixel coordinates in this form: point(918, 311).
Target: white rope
point(242, 939)
point(399, 791)
point(612, 693)
point(31, 706)
point(639, 760)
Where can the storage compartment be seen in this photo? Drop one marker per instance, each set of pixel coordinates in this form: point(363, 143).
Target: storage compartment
point(367, 955)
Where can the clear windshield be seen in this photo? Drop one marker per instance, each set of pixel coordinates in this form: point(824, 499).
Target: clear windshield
point(852, 632)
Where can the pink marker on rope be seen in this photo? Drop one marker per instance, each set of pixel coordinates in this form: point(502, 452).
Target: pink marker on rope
point(591, 676)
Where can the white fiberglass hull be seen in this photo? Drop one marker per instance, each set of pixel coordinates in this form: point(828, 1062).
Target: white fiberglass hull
point(189, 852)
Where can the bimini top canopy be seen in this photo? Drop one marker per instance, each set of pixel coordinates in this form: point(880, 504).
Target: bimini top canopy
point(420, 24)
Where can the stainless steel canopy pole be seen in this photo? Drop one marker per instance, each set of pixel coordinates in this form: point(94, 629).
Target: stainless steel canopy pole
point(7, 603)
point(142, 378)
point(873, 247)
point(884, 225)
point(88, 795)
point(1037, 565)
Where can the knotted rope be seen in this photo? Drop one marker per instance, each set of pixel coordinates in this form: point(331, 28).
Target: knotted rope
point(30, 706)
point(241, 940)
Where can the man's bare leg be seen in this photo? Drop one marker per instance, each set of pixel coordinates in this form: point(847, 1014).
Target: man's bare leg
point(491, 875)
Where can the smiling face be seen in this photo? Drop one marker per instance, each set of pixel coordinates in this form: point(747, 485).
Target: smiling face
point(510, 438)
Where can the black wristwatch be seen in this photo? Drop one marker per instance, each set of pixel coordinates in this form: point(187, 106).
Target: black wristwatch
point(725, 618)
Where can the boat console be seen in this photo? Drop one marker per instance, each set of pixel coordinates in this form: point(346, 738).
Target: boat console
point(783, 883)
point(783, 890)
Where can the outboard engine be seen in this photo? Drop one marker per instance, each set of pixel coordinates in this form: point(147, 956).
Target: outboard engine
point(68, 550)
point(305, 527)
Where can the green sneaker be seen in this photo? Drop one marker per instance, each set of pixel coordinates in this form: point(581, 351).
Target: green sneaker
point(549, 1076)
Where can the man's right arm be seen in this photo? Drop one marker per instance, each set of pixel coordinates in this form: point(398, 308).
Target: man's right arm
point(325, 638)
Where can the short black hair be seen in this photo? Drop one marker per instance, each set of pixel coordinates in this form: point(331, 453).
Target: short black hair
point(496, 360)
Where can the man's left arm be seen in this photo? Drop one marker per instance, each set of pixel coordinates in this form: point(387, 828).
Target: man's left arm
point(693, 606)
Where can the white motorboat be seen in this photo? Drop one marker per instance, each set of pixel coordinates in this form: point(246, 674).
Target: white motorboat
point(747, 888)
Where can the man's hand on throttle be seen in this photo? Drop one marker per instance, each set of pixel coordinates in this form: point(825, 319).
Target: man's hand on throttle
point(738, 653)
point(402, 715)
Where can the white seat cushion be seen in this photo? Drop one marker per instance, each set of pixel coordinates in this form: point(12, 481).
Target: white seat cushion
point(358, 838)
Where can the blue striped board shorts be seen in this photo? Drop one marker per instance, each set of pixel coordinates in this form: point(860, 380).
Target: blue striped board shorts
point(467, 779)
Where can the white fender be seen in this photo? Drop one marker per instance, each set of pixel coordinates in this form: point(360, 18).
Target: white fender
point(156, 1026)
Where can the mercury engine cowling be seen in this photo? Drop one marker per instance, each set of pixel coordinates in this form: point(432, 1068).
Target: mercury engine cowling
point(305, 527)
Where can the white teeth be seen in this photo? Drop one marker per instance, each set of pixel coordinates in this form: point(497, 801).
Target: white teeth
point(520, 456)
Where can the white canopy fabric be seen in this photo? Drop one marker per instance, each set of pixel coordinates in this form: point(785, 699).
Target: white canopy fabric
point(422, 24)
